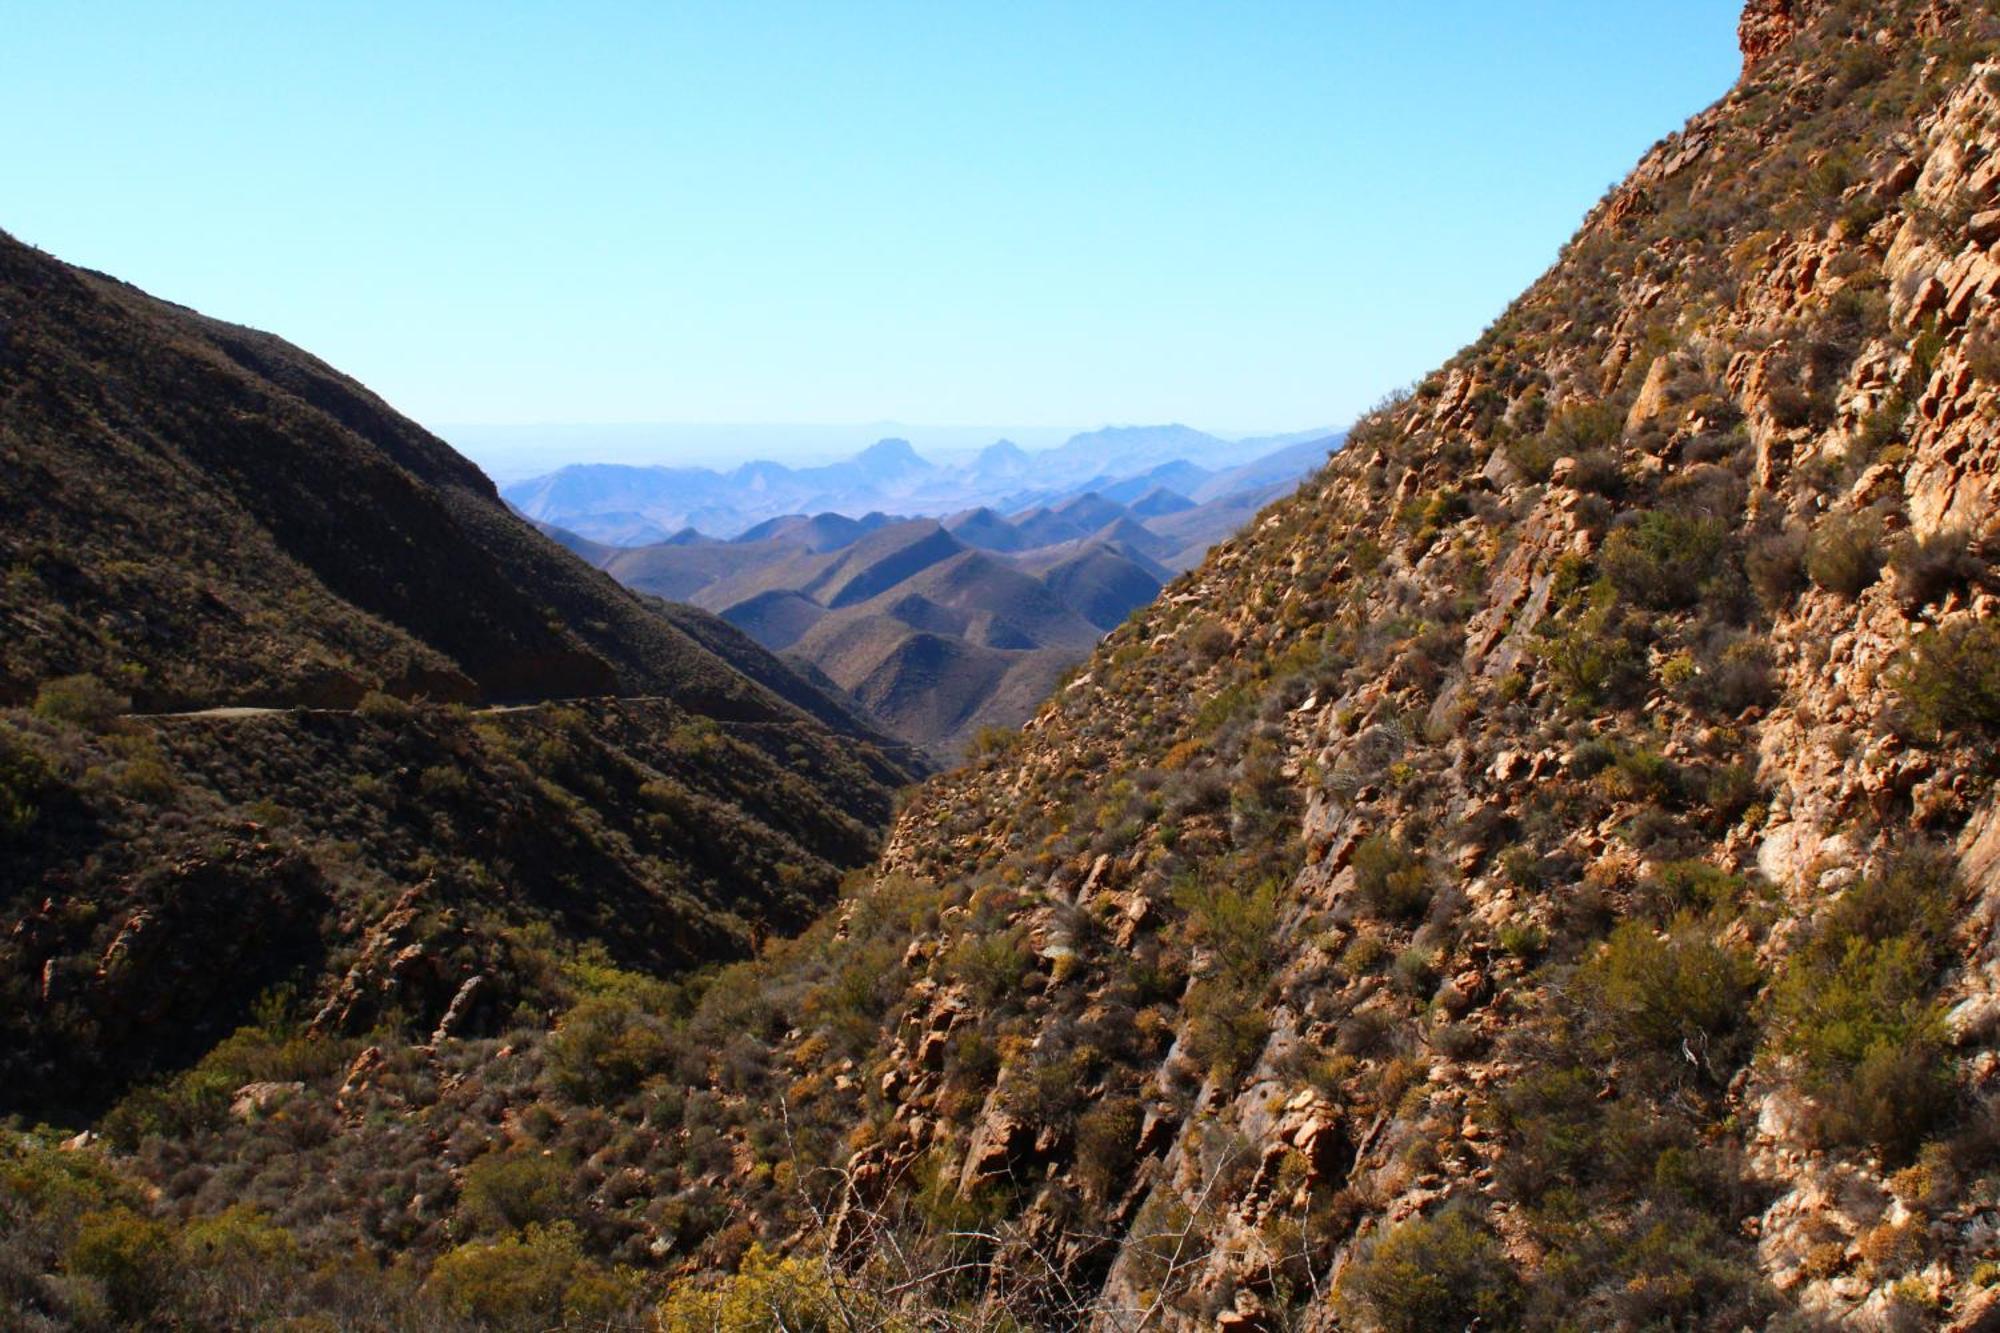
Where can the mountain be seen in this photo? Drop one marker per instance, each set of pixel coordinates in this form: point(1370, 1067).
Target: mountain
point(889, 459)
point(1539, 874)
point(985, 529)
point(859, 603)
point(635, 506)
point(1536, 875)
point(1284, 464)
point(1001, 461)
point(297, 703)
point(1178, 477)
point(1126, 450)
point(818, 532)
point(1159, 502)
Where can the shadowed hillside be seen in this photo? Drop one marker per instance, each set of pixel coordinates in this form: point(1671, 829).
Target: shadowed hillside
point(202, 520)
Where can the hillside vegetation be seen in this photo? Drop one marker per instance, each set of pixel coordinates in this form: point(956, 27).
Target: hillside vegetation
point(1542, 875)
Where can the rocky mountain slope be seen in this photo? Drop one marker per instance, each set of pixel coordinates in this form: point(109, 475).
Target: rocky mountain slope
point(1540, 875)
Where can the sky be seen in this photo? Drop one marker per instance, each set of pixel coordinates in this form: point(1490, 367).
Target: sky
point(1249, 216)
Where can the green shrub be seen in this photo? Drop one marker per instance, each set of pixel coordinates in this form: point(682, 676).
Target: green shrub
point(1232, 924)
point(538, 1279)
point(1678, 995)
point(1663, 561)
point(991, 965)
point(1107, 1136)
point(239, 1239)
point(1642, 774)
point(132, 1256)
point(83, 701)
point(384, 709)
point(1589, 658)
point(1433, 1273)
point(1680, 886)
point(24, 782)
point(767, 1292)
point(1598, 473)
point(995, 741)
point(1843, 555)
point(1927, 569)
point(1857, 1005)
point(1392, 879)
point(184, 1105)
point(505, 1192)
point(1950, 678)
point(1227, 1025)
point(146, 779)
point(1580, 428)
point(604, 1047)
point(1729, 677)
point(1210, 640)
point(1523, 939)
point(1776, 565)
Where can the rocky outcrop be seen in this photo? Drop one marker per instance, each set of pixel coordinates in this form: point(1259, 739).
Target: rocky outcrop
point(1768, 26)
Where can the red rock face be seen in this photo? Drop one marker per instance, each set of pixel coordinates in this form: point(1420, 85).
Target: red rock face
point(1766, 26)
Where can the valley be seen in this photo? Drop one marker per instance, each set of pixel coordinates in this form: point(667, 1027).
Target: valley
point(942, 628)
point(1535, 868)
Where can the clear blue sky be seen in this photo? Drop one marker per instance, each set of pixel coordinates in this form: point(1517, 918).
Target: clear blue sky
point(1239, 215)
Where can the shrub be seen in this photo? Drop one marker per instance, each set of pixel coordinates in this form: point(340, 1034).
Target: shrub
point(995, 740)
point(238, 1239)
point(24, 780)
point(1776, 564)
point(1392, 879)
point(195, 1100)
point(384, 709)
point(1581, 428)
point(1842, 556)
point(1227, 1025)
point(443, 782)
point(505, 1192)
point(1682, 994)
point(1598, 473)
point(83, 701)
point(1793, 405)
point(132, 1256)
point(990, 964)
point(147, 779)
point(1209, 640)
point(1856, 1004)
point(1927, 569)
point(1233, 924)
point(1663, 560)
point(1728, 676)
point(1106, 1137)
point(769, 1292)
point(1430, 1273)
point(604, 1046)
point(1949, 679)
point(1415, 971)
point(538, 1279)
point(1680, 886)
point(1523, 939)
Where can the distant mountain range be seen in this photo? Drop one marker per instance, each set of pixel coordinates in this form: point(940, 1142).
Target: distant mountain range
point(940, 625)
point(635, 506)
